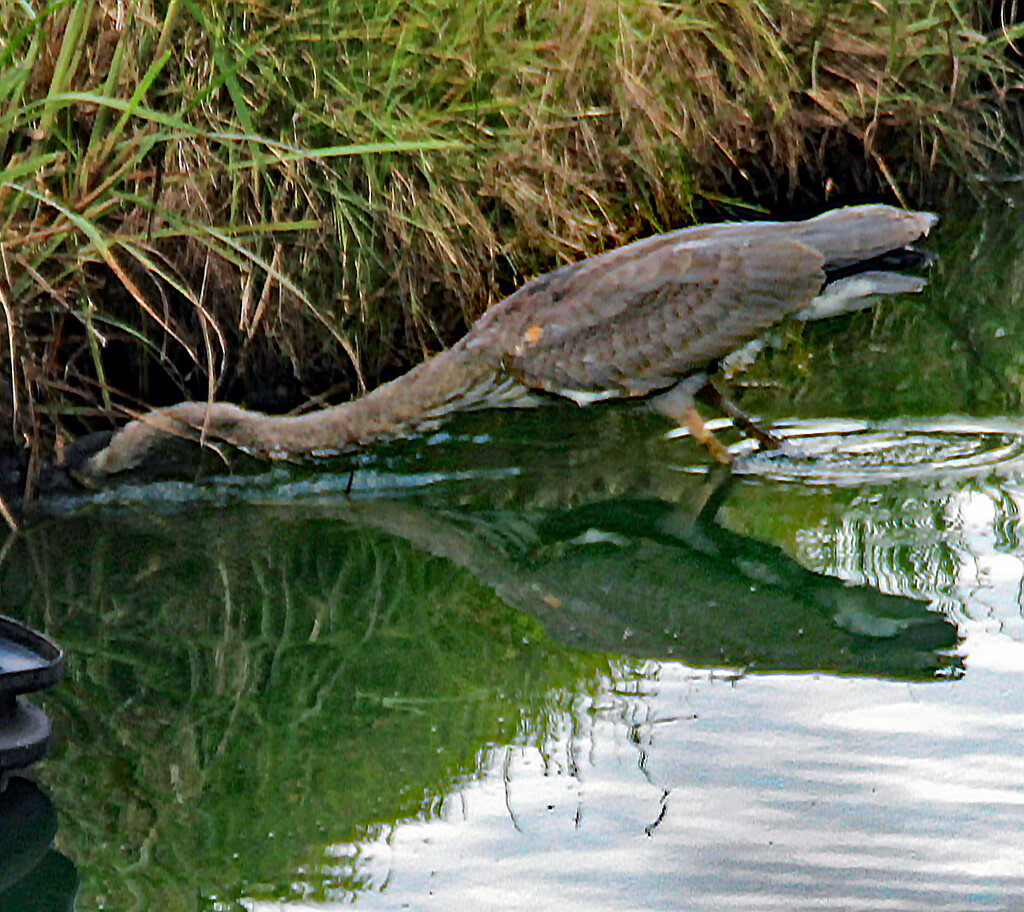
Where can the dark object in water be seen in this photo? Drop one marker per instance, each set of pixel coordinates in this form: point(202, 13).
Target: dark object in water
point(651, 319)
point(29, 662)
point(33, 874)
point(53, 479)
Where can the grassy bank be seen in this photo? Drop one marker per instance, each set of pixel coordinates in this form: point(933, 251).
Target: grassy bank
point(280, 201)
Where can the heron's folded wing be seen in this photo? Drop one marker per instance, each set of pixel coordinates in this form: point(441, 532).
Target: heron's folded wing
point(637, 325)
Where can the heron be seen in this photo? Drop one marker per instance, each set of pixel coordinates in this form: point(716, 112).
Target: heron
point(651, 320)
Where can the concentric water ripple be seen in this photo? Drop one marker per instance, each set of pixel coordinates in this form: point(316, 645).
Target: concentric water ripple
point(843, 452)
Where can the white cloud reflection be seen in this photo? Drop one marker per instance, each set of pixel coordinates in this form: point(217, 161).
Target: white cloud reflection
point(783, 791)
point(791, 792)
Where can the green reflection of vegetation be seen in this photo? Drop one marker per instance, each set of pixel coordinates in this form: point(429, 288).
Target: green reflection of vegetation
point(234, 678)
point(897, 538)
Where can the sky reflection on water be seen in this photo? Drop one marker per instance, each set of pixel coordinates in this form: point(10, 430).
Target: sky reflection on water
point(700, 791)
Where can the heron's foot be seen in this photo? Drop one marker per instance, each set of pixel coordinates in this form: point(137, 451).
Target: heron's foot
point(713, 396)
point(691, 420)
point(678, 404)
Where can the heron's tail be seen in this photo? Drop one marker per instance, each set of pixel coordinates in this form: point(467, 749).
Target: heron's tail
point(862, 246)
point(857, 234)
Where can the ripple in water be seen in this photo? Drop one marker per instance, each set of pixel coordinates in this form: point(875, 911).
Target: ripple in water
point(856, 452)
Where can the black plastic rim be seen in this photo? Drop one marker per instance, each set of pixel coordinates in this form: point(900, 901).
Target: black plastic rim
point(48, 673)
point(25, 734)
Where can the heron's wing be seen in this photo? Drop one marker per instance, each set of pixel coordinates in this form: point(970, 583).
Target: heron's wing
point(630, 324)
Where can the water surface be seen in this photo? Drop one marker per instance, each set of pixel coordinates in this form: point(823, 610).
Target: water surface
point(548, 660)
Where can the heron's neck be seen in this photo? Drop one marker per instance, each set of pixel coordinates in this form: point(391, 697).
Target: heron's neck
point(450, 380)
point(456, 378)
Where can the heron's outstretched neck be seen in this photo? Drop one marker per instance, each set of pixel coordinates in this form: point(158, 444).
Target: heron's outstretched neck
point(414, 400)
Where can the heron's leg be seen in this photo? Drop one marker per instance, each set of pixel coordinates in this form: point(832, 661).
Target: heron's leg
point(678, 404)
point(713, 396)
point(712, 495)
point(691, 520)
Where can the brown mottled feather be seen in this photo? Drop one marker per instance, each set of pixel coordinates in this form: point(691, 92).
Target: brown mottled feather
point(649, 322)
point(634, 320)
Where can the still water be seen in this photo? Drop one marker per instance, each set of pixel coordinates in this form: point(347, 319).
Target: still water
point(546, 660)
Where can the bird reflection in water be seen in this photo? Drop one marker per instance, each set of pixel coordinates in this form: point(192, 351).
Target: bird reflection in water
point(644, 577)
